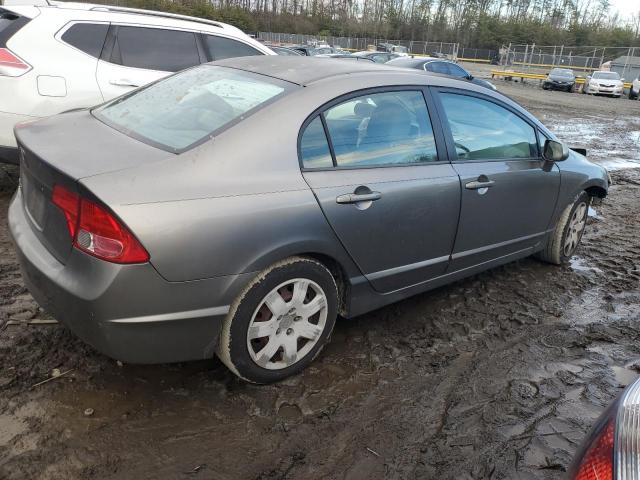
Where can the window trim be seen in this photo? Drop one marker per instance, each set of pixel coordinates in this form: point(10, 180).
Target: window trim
point(452, 154)
point(434, 118)
point(58, 35)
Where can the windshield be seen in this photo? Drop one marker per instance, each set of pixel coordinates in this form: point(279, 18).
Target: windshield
point(561, 72)
point(400, 49)
point(606, 75)
point(182, 110)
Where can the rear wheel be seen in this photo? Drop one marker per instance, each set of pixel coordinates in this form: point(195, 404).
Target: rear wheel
point(280, 322)
point(568, 232)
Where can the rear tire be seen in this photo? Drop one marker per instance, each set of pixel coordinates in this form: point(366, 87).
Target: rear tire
point(566, 237)
point(280, 322)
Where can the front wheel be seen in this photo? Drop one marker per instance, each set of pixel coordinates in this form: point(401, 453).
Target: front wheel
point(280, 322)
point(568, 232)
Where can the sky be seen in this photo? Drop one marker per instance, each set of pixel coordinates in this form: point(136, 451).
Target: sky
point(625, 7)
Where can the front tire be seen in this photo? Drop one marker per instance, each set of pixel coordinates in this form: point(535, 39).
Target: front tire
point(280, 322)
point(566, 237)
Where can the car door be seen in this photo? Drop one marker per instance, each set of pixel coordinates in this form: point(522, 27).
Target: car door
point(376, 164)
point(508, 191)
point(134, 56)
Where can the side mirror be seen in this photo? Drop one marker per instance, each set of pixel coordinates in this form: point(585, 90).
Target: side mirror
point(555, 151)
point(469, 77)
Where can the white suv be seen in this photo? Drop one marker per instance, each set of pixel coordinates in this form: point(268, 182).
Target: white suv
point(60, 56)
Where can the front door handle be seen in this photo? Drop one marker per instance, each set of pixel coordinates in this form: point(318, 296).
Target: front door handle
point(477, 185)
point(358, 197)
point(123, 82)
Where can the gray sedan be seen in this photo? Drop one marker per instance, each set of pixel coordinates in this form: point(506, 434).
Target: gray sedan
point(237, 208)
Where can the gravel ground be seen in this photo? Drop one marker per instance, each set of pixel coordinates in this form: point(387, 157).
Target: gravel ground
point(497, 376)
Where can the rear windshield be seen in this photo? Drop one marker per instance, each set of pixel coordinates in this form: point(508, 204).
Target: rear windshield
point(10, 23)
point(184, 110)
point(606, 75)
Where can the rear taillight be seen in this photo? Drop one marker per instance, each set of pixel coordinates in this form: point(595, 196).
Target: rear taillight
point(97, 231)
point(597, 461)
point(11, 65)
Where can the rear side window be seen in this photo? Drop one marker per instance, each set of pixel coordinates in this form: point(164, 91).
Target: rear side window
point(87, 37)
point(184, 109)
point(314, 148)
point(391, 128)
point(483, 130)
point(10, 23)
point(221, 47)
point(155, 49)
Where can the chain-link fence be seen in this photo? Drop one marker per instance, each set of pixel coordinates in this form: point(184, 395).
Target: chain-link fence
point(449, 50)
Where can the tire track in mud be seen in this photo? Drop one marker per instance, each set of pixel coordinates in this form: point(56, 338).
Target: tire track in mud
point(496, 376)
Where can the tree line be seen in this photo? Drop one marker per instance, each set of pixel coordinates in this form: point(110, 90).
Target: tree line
point(473, 23)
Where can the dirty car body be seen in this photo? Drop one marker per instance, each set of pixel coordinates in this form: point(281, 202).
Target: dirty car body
point(212, 209)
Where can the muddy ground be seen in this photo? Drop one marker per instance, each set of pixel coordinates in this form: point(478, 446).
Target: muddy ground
point(497, 376)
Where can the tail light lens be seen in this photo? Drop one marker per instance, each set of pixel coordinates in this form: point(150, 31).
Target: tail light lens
point(597, 462)
point(97, 231)
point(11, 65)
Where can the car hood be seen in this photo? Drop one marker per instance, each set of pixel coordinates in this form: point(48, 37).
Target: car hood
point(79, 145)
point(603, 81)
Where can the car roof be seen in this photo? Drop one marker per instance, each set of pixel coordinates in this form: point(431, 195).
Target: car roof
point(413, 61)
point(303, 70)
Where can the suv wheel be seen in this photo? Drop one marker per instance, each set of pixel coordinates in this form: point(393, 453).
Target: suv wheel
point(280, 322)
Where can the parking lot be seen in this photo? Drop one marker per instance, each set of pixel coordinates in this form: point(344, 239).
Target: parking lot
point(496, 376)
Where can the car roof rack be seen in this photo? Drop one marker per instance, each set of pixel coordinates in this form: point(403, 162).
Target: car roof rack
point(152, 13)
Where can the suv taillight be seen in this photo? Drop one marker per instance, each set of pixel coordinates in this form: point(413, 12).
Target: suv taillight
point(11, 65)
point(96, 231)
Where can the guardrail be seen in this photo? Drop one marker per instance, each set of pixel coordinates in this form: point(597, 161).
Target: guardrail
point(534, 76)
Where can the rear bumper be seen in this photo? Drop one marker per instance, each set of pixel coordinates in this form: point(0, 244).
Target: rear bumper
point(8, 146)
point(128, 312)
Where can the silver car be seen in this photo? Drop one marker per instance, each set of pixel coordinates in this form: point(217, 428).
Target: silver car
point(237, 208)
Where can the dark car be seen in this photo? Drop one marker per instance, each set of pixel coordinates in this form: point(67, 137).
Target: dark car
point(378, 57)
point(285, 51)
point(437, 65)
point(240, 206)
point(560, 79)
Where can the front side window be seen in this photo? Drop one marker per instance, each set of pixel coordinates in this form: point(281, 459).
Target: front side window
point(483, 130)
point(457, 71)
point(438, 67)
point(221, 48)
point(87, 37)
point(381, 129)
point(184, 109)
point(155, 49)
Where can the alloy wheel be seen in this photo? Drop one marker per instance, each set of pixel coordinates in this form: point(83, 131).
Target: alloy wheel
point(287, 324)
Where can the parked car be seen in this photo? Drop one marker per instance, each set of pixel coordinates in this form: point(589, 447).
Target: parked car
point(437, 65)
point(634, 91)
point(59, 56)
point(378, 57)
point(612, 450)
point(156, 232)
point(391, 48)
point(312, 50)
point(560, 79)
point(280, 50)
point(604, 83)
point(344, 56)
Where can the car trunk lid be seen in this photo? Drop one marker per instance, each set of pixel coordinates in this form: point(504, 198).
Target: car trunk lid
point(60, 151)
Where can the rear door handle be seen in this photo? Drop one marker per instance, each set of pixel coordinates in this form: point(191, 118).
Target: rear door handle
point(123, 82)
point(358, 197)
point(477, 185)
